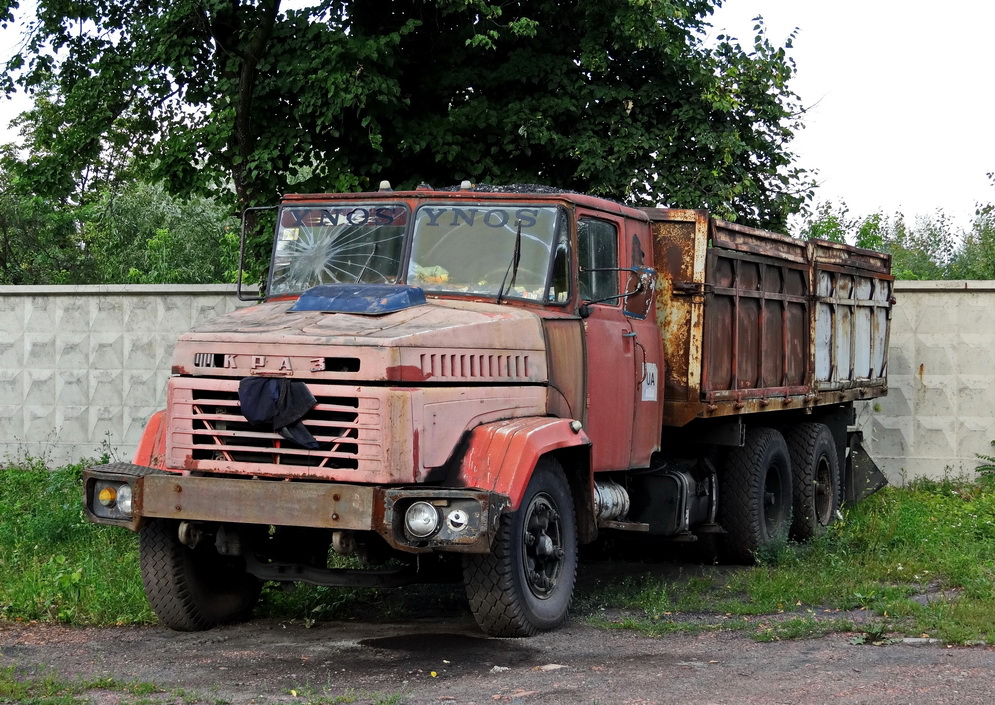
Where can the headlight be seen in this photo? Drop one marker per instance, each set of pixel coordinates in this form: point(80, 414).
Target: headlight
point(113, 499)
point(421, 520)
point(124, 499)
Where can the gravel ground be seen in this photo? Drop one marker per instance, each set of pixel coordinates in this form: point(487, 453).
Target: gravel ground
point(433, 653)
point(432, 660)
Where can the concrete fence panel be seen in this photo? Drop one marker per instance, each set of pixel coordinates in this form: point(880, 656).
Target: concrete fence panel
point(83, 367)
point(940, 410)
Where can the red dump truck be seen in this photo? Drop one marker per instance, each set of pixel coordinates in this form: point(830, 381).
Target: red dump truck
point(484, 378)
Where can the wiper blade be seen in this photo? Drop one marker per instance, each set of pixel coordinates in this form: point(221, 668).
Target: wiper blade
point(516, 258)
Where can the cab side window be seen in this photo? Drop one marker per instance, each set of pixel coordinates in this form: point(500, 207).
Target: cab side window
point(597, 248)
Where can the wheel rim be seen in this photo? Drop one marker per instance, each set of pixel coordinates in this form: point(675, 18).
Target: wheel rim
point(824, 490)
point(774, 503)
point(542, 546)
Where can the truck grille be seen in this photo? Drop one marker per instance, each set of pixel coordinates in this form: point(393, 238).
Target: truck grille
point(208, 432)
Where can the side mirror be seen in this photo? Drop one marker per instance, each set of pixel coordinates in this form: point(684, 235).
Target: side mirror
point(645, 281)
point(640, 299)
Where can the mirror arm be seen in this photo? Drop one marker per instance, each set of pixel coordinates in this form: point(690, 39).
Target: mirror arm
point(638, 271)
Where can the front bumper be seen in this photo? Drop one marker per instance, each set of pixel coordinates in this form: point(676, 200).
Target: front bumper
point(165, 495)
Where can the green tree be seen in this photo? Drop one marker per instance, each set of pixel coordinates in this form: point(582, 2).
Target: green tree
point(612, 97)
point(931, 247)
point(40, 242)
point(976, 257)
point(923, 250)
point(140, 234)
point(828, 222)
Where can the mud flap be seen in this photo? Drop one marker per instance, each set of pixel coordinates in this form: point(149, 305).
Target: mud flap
point(862, 475)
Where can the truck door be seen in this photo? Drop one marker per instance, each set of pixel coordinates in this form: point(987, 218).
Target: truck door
point(637, 252)
point(610, 366)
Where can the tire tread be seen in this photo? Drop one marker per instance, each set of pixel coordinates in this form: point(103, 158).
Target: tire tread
point(490, 578)
point(741, 511)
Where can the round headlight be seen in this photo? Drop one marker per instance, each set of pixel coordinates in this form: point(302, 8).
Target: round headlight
point(124, 499)
point(421, 519)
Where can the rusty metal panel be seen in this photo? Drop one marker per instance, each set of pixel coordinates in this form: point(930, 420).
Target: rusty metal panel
point(564, 344)
point(756, 321)
point(733, 236)
point(259, 502)
point(852, 318)
point(756, 339)
point(680, 243)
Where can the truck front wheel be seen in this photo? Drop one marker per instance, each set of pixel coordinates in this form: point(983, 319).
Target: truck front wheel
point(192, 589)
point(755, 494)
point(524, 585)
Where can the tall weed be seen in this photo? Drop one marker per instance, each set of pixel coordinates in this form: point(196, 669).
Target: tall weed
point(58, 567)
point(921, 557)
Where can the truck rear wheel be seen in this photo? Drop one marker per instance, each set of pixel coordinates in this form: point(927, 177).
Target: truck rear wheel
point(192, 589)
point(816, 479)
point(755, 494)
point(524, 585)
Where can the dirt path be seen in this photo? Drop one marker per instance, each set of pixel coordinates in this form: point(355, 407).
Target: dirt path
point(432, 661)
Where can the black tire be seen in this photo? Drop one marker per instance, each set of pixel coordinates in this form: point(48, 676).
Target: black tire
point(192, 590)
point(755, 495)
point(525, 584)
point(815, 478)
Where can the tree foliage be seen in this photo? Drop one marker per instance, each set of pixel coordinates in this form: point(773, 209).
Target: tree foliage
point(38, 238)
point(124, 232)
point(619, 98)
point(930, 247)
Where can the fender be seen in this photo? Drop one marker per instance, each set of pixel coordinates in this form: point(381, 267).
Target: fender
point(152, 448)
point(500, 456)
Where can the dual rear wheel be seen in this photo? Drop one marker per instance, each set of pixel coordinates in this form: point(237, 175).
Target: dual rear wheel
point(778, 485)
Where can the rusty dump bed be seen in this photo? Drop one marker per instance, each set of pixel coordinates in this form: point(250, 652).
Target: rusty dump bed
point(755, 321)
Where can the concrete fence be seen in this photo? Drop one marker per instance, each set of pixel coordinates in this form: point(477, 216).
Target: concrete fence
point(940, 409)
point(82, 368)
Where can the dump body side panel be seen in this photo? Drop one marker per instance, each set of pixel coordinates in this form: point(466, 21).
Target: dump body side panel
point(754, 321)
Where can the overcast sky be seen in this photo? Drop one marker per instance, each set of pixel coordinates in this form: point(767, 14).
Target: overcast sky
point(900, 96)
point(902, 105)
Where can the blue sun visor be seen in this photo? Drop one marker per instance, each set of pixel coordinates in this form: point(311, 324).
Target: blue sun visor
point(368, 299)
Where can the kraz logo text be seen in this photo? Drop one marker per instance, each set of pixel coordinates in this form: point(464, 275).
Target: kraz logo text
point(251, 362)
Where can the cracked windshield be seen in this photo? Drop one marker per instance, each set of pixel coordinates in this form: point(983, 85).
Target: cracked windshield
point(348, 244)
point(487, 250)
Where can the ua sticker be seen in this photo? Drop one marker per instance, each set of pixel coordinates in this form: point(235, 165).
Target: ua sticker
point(649, 381)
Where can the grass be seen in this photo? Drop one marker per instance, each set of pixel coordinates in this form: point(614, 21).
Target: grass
point(910, 560)
point(917, 560)
point(58, 567)
point(50, 689)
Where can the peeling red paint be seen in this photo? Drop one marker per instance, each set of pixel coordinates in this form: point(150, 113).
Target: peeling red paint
point(406, 373)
